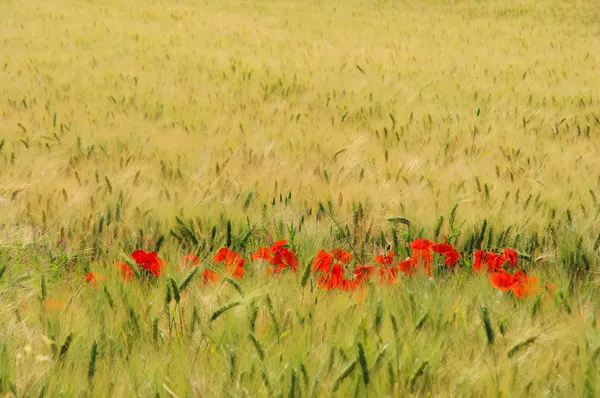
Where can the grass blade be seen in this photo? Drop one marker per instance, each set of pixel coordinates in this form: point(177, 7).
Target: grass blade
point(223, 310)
point(518, 347)
point(188, 279)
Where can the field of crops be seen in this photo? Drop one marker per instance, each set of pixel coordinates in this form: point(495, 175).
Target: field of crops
point(299, 198)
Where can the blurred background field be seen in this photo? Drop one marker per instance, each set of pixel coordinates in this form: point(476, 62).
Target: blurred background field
point(157, 124)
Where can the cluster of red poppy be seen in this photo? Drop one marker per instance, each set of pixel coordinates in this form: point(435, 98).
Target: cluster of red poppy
point(278, 256)
point(233, 261)
point(148, 261)
point(422, 256)
point(329, 268)
point(518, 282)
point(332, 268)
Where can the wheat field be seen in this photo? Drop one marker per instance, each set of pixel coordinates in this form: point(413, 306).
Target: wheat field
point(182, 127)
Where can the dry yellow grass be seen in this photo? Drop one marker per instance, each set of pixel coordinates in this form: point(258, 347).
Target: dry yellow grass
point(270, 93)
point(118, 118)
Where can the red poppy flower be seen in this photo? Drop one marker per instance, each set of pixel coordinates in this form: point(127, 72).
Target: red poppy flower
point(127, 273)
point(425, 257)
point(280, 243)
point(494, 261)
point(421, 244)
point(452, 257)
point(221, 254)
point(512, 256)
point(500, 279)
point(387, 275)
point(148, 261)
point(191, 260)
point(442, 248)
point(233, 261)
point(479, 256)
point(341, 255)
point(526, 285)
point(407, 266)
point(422, 254)
point(349, 285)
point(209, 277)
point(238, 272)
point(288, 258)
point(262, 254)
point(92, 278)
point(490, 260)
point(228, 257)
point(279, 256)
point(385, 260)
point(362, 273)
point(330, 266)
point(333, 279)
point(322, 262)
